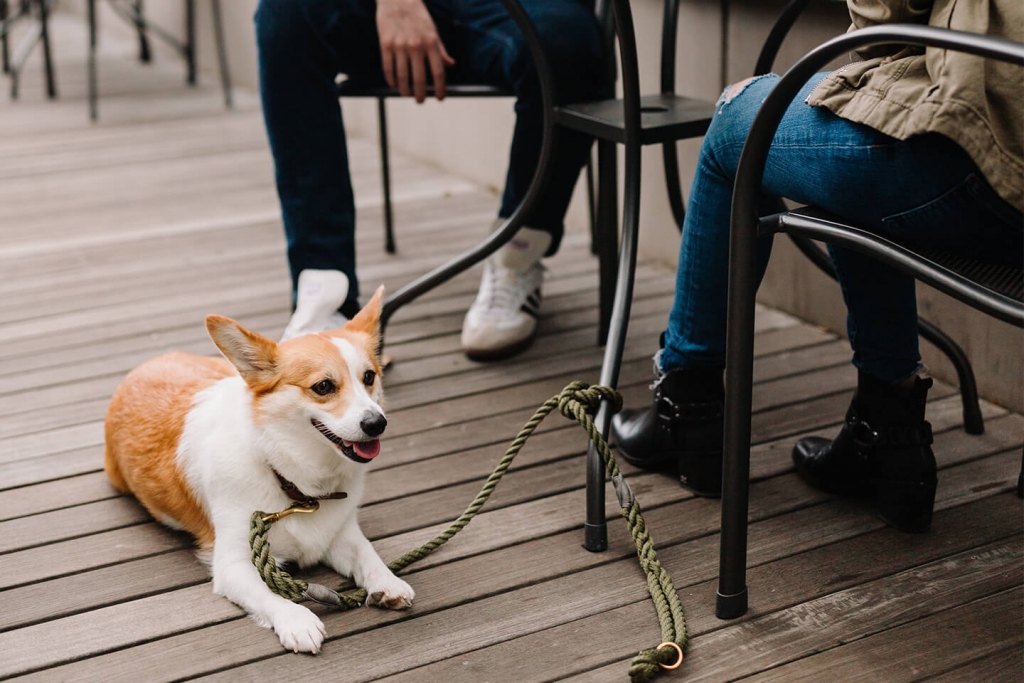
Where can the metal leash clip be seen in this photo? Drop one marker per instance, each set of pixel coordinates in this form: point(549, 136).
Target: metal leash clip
point(301, 506)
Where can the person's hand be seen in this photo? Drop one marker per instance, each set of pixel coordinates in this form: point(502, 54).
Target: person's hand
point(409, 45)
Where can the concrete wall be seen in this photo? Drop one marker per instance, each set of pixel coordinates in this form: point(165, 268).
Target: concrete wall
point(471, 137)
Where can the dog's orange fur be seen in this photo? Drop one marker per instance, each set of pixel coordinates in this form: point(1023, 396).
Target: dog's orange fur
point(148, 468)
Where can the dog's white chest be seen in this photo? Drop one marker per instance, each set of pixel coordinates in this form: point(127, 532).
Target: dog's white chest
point(306, 539)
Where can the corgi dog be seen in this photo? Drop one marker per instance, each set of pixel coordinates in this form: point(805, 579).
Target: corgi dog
point(204, 442)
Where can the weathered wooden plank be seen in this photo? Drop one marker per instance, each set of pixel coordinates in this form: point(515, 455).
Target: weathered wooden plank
point(35, 421)
point(183, 322)
point(30, 500)
point(912, 652)
point(149, 617)
point(70, 522)
point(79, 593)
point(51, 467)
point(910, 594)
point(250, 260)
point(569, 311)
point(1002, 667)
point(205, 244)
point(857, 612)
point(626, 630)
point(615, 635)
point(55, 440)
point(88, 552)
point(840, 519)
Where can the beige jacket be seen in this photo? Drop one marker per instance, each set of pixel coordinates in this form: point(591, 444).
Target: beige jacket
point(977, 103)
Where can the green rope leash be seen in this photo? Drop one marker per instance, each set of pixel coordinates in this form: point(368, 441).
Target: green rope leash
point(577, 401)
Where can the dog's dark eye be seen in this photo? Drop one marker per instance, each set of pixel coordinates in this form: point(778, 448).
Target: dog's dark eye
point(368, 377)
point(323, 387)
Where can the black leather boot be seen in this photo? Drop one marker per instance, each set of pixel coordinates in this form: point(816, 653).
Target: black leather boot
point(882, 453)
point(681, 433)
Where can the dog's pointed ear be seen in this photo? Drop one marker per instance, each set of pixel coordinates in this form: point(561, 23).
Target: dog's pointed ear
point(253, 354)
point(368, 319)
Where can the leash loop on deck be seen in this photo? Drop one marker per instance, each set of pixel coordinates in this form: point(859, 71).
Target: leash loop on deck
point(577, 401)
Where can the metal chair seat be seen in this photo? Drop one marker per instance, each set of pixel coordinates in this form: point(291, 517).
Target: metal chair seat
point(991, 288)
point(350, 89)
point(663, 118)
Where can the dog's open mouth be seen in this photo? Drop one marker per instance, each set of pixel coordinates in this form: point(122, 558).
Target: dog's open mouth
point(358, 451)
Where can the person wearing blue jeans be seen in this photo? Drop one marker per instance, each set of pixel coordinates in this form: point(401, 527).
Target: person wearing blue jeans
point(303, 46)
point(924, 189)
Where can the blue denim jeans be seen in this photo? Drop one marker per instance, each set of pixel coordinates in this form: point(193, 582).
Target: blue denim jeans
point(304, 44)
point(924, 190)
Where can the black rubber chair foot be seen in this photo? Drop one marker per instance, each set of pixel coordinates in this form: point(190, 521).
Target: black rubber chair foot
point(595, 538)
point(974, 423)
point(731, 606)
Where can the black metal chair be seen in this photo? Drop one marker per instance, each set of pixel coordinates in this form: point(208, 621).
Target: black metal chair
point(132, 12)
point(38, 13)
point(973, 421)
point(992, 290)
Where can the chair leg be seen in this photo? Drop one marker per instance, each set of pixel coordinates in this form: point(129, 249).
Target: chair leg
point(222, 53)
point(739, 375)
point(385, 175)
point(596, 533)
point(591, 205)
point(44, 22)
point(607, 232)
point(973, 421)
point(190, 41)
point(93, 89)
point(1020, 477)
point(5, 54)
point(145, 56)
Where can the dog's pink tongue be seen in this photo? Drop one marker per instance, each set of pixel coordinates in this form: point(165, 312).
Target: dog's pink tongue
point(367, 449)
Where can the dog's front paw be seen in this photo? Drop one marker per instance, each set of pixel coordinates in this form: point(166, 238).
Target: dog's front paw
point(299, 629)
point(390, 592)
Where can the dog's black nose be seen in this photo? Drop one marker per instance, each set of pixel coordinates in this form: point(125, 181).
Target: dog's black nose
point(373, 423)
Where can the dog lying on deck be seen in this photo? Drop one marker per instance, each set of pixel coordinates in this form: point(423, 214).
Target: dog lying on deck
point(203, 442)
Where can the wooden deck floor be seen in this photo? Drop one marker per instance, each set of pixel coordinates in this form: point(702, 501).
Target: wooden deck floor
point(116, 240)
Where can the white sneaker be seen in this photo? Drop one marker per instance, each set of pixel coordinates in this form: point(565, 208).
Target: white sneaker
point(320, 293)
point(503, 319)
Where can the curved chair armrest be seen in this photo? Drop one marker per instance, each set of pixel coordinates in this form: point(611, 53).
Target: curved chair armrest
point(770, 49)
